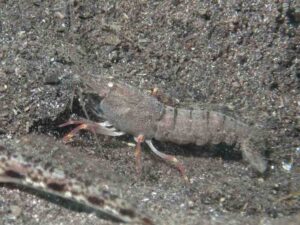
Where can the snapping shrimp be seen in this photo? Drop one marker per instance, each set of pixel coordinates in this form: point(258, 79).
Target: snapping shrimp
point(126, 109)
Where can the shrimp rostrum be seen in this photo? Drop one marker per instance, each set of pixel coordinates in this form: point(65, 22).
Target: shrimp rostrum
point(127, 110)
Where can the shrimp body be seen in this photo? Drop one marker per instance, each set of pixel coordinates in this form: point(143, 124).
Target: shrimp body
point(134, 112)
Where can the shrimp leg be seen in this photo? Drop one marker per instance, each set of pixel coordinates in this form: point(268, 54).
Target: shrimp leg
point(168, 158)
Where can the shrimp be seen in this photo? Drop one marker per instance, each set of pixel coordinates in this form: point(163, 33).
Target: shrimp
point(127, 110)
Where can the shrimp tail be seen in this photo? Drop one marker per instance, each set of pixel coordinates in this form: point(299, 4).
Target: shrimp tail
point(253, 149)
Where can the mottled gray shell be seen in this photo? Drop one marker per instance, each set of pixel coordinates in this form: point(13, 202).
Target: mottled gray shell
point(131, 111)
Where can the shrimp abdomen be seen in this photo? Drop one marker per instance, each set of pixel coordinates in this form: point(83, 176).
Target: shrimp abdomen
point(200, 127)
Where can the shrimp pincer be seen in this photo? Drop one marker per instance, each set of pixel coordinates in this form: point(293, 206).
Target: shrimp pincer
point(126, 109)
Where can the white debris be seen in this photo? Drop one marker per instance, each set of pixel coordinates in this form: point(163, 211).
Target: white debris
point(287, 165)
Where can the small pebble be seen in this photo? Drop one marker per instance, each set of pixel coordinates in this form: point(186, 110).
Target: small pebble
point(15, 210)
point(3, 88)
point(59, 15)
